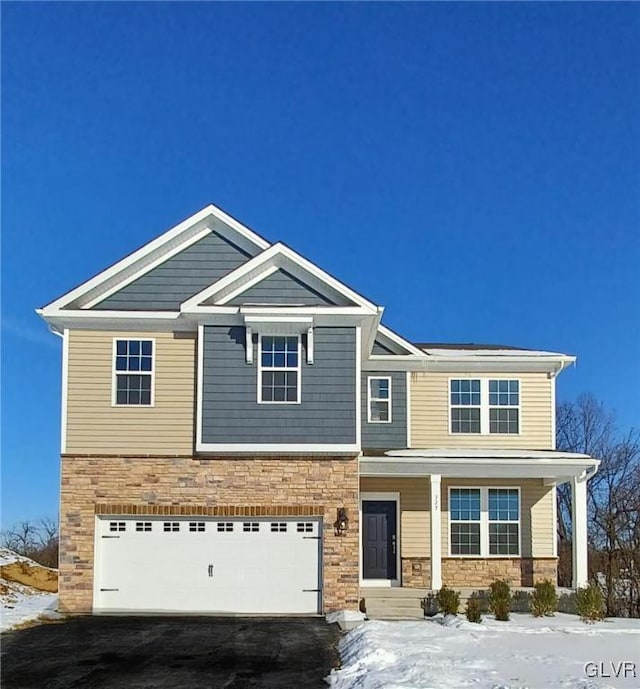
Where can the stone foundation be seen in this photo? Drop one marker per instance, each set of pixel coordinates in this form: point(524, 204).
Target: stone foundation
point(471, 572)
point(223, 486)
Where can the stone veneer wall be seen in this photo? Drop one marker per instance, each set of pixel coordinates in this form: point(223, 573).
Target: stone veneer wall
point(186, 485)
point(524, 571)
point(472, 572)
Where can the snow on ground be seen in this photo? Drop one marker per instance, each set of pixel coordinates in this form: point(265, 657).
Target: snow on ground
point(23, 603)
point(524, 653)
point(20, 602)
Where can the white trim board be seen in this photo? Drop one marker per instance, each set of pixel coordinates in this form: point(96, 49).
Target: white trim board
point(269, 448)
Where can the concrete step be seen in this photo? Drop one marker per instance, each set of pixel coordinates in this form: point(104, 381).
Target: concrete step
point(394, 608)
point(400, 602)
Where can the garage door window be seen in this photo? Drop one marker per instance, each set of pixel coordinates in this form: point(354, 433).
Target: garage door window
point(171, 526)
point(251, 526)
point(278, 526)
point(196, 526)
point(305, 527)
point(143, 526)
point(225, 526)
point(117, 526)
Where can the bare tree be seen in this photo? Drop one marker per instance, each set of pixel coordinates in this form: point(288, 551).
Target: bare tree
point(613, 502)
point(37, 540)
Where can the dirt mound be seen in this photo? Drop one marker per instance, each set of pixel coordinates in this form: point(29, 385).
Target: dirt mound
point(34, 575)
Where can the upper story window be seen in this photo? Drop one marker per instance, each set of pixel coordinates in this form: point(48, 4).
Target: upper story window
point(279, 369)
point(483, 406)
point(379, 399)
point(504, 406)
point(465, 406)
point(133, 372)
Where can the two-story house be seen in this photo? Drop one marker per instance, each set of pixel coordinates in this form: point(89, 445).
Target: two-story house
point(240, 433)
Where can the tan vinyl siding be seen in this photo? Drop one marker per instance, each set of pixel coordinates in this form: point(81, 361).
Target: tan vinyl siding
point(536, 512)
point(430, 413)
point(95, 426)
point(414, 511)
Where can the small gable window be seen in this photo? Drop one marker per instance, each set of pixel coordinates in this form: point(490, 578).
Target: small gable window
point(379, 399)
point(133, 372)
point(279, 369)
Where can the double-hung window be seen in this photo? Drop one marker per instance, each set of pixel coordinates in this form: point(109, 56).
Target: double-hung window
point(379, 399)
point(484, 521)
point(464, 518)
point(504, 406)
point(133, 372)
point(484, 406)
point(504, 521)
point(279, 370)
point(465, 406)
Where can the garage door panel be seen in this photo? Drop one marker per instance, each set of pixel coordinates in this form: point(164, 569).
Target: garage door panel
point(244, 566)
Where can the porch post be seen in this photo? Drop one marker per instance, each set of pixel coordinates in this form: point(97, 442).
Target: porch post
point(436, 534)
point(579, 525)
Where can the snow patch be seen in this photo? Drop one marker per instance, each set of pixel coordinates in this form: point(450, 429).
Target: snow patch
point(345, 616)
point(448, 652)
point(20, 602)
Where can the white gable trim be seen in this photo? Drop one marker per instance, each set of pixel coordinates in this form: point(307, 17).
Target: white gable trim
point(149, 256)
point(277, 256)
point(400, 341)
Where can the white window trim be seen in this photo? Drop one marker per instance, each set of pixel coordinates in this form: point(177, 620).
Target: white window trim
point(298, 368)
point(151, 373)
point(485, 406)
point(484, 522)
point(370, 398)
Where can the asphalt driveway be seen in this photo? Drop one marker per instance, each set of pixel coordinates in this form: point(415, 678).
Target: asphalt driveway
point(171, 652)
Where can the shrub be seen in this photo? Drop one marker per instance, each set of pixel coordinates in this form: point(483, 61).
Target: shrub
point(473, 611)
point(500, 600)
point(589, 603)
point(544, 601)
point(448, 601)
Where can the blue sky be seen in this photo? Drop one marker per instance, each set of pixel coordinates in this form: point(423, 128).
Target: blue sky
point(473, 167)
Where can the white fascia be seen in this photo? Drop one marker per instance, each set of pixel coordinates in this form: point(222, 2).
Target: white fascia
point(151, 254)
point(477, 365)
point(270, 448)
point(79, 319)
point(250, 273)
point(550, 469)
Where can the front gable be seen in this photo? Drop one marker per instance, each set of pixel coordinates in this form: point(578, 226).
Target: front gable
point(165, 287)
point(283, 288)
point(167, 270)
point(278, 276)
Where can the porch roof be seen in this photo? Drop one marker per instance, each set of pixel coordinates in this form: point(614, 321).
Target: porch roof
point(551, 465)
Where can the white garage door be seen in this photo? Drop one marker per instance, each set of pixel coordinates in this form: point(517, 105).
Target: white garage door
point(169, 564)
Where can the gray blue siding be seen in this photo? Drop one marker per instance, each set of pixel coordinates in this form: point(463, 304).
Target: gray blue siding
point(231, 413)
point(283, 288)
point(165, 287)
point(386, 436)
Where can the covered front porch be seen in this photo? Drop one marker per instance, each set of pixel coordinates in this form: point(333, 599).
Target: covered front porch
point(464, 518)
